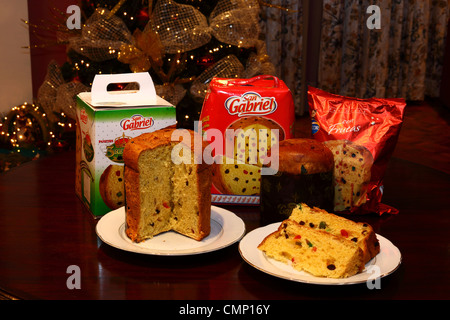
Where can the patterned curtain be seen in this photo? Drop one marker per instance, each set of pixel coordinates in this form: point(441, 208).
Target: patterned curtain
point(403, 58)
point(283, 35)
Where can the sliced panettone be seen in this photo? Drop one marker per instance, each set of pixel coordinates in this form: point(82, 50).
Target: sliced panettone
point(315, 251)
point(360, 233)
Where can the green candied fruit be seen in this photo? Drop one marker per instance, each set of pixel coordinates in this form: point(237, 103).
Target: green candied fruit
point(322, 225)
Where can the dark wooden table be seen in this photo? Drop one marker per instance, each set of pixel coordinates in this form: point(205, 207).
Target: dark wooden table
point(44, 229)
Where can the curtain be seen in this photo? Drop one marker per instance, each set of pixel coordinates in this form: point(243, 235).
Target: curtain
point(403, 58)
point(283, 32)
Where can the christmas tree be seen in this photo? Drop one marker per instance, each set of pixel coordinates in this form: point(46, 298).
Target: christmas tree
point(182, 44)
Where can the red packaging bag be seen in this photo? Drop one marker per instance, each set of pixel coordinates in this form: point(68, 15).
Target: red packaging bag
point(362, 134)
point(249, 115)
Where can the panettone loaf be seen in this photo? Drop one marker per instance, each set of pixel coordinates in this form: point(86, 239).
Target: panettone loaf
point(304, 156)
point(315, 251)
point(360, 233)
point(305, 174)
point(352, 173)
point(162, 195)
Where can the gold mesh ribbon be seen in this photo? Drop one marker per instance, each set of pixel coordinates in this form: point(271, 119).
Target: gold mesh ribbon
point(230, 67)
point(183, 28)
point(101, 37)
point(145, 51)
point(175, 29)
point(56, 96)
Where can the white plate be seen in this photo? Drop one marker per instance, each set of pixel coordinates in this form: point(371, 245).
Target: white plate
point(226, 229)
point(386, 262)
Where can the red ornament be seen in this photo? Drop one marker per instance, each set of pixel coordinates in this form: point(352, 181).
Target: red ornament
point(206, 61)
point(143, 15)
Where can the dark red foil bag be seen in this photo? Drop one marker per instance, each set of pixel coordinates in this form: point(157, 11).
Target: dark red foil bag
point(362, 134)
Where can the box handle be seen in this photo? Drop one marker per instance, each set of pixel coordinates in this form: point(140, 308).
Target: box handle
point(145, 95)
point(276, 82)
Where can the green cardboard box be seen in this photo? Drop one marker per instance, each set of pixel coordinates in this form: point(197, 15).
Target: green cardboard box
point(106, 120)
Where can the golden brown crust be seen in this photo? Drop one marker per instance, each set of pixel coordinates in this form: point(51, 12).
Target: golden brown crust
point(304, 156)
point(145, 141)
point(204, 183)
point(132, 203)
point(372, 246)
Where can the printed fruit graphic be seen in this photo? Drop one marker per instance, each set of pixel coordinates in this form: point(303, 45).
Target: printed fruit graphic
point(88, 148)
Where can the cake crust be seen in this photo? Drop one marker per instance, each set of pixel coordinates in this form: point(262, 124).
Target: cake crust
point(304, 156)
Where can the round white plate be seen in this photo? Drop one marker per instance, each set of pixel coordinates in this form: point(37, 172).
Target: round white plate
point(386, 262)
point(226, 229)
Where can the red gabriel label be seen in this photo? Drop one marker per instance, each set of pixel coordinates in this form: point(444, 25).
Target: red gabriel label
point(251, 115)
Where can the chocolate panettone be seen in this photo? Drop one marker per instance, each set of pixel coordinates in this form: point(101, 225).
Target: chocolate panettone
point(305, 175)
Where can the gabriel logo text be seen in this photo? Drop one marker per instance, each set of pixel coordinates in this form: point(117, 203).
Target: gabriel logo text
point(136, 122)
point(250, 103)
point(83, 116)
